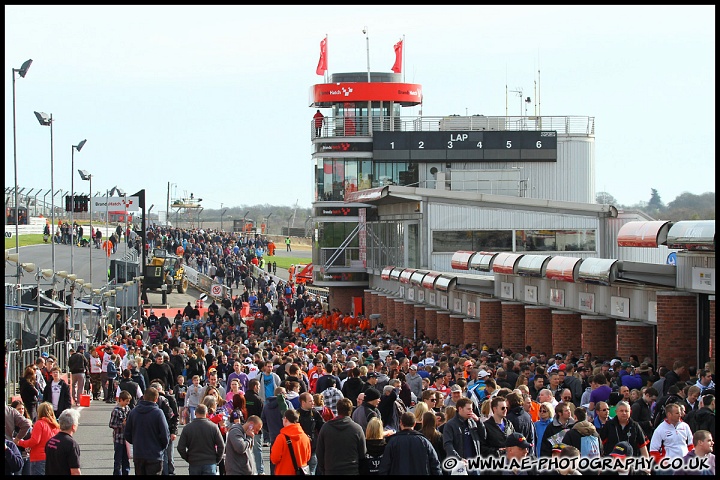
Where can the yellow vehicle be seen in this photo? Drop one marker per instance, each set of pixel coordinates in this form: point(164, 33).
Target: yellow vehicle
point(165, 269)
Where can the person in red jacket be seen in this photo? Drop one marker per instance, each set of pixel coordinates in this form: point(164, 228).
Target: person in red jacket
point(44, 429)
point(280, 450)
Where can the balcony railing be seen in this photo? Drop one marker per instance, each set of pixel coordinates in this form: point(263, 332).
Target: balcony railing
point(363, 126)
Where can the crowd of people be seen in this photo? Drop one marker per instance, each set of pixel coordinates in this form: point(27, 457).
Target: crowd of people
point(330, 393)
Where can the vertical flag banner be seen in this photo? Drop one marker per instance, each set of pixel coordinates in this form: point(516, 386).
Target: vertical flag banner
point(322, 63)
point(397, 67)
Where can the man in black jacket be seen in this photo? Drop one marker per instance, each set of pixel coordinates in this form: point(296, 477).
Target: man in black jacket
point(465, 422)
point(161, 370)
point(408, 452)
point(126, 383)
point(311, 422)
point(498, 429)
point(640, 411)
point(79, 366)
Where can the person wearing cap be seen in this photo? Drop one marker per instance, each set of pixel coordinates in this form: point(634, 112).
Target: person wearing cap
point(622, 450)
point(368, 409)
point(517, 447)
point(476, 391)
point(408, 452)
point(456, 393)
point(629, 377)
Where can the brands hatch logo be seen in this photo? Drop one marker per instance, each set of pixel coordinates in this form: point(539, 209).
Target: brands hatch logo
point(344, 91)
point(343, 147)
point(345, 211)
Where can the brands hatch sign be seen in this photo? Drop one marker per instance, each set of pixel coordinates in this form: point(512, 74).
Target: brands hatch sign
point(114, 204)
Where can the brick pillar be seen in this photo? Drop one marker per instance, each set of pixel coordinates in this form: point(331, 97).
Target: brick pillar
point(381, 309)
point(490, 315)
point(471, 330)
point(635, 338)
point(408, 319)
point(443, 326)
point(367, 302)
point(713, 341)
point(420, 317)
point(513, 326)
point(566, 331)
point(677, 327)
point(431, 322)
point(399, 313)
point(538, 329)
point(598, 336)
point(456, 329)
point(390, 305)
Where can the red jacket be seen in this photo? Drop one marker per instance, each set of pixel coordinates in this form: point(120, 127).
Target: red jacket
point(42, 431)
point(280, 455)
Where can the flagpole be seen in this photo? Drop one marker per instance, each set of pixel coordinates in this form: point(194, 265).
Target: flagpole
point(367, 41)
point(403, 59)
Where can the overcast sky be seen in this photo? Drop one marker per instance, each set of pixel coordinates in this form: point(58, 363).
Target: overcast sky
point(215, 99)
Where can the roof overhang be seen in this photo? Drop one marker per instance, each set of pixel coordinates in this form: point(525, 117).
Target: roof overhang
point(391, 194)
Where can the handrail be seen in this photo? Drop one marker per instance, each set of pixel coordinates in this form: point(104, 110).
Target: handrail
point(362, 126)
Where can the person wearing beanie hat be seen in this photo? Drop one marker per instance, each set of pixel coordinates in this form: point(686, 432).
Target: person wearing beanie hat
point(368, 409)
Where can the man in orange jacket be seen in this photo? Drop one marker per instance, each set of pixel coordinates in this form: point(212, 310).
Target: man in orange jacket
point(298, 440)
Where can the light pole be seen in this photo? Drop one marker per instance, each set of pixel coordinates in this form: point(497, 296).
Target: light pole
point(47, 121)
point(47, 273)
point(79, 147)
point(69, 277)
point(22, 71)
point(267, 224)
point(222, 214)
point(85, 175)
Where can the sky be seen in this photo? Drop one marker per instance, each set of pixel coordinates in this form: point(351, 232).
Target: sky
point(214, 100)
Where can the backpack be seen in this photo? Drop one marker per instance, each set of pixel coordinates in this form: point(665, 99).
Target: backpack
point(589, 446)
point(659, 414)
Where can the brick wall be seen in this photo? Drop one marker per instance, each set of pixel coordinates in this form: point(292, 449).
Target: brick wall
point(420, 317)
point(381, 309)
point(457, 332)
point(598, 336)
point(341, 297)
point(431, 323)
point(490, 315)
point(677, 327)
point(635, 338)
point(713, 339)
point(513, 326)
point(399, 304)
point(408, 319)
point(443, 326)
point(367, 302)
point(471, 331)
point(566, 331)
point(538, 329)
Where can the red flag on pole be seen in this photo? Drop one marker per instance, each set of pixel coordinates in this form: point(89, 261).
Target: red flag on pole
point(322, 63)
point(397, 67)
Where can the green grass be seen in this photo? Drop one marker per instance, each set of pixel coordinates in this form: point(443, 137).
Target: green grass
point(285, 262)
point(29, 239)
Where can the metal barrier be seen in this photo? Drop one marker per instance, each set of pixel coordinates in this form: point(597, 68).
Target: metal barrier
point(16, 361)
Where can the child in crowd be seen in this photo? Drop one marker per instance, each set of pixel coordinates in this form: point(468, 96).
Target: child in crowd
point(117, 423)
point(192, 396)
point(180, 393)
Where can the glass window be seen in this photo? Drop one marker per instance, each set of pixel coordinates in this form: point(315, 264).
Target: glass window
point(555, 240)
point(473, 240)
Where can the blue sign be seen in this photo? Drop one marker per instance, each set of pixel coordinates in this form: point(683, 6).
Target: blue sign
point(672, 258)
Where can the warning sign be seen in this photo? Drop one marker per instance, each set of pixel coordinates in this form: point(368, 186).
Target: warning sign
point(216, 290)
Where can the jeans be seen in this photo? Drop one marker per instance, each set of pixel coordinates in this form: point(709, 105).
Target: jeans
point(191, 413)
point(168, 462)
point(258, 454)
point(312, 463)
point(143, 466)
point(203, 469)
point(121, 464)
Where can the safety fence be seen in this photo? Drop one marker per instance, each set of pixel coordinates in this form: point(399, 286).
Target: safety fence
point(17, 360)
